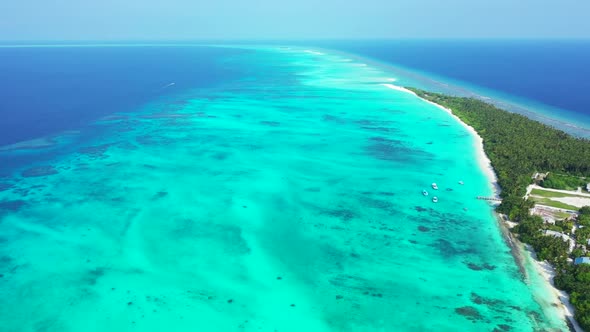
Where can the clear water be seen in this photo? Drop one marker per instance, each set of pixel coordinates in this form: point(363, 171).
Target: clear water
point(289, 199)
point(543, 79)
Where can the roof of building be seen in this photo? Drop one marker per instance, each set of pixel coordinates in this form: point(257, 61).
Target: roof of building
point(582, 260)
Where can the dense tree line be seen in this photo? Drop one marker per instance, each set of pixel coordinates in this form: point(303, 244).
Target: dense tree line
point(518, 147)
point(558, 181)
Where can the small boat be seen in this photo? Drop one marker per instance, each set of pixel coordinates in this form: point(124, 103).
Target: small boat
point(461, 182)
point(435, 199)
point(424, 192)
point(434, 186)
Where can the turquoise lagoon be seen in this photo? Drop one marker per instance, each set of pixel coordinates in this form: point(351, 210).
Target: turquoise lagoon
point(289, 199)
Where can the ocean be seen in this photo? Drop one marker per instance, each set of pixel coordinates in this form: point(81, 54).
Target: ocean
point(268, 189)
point(51, 90)
point(543, 79)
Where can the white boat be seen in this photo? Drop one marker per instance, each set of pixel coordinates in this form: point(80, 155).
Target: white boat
point(424, 192)
point(461, 182)
point(435, 199)
point(434, 186)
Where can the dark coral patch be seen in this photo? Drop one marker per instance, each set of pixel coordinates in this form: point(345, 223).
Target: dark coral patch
point(489, 267)
point(154, 140)
point(385, 140)
point(476, 267)
point(127, 146)
point(160, 194)
point(5, 186)
point(447, 248)
point(477, 299)
point(96, 151)
point(469, 312)
point(392, 150)
point(39, 171)
point(420, 209)
point(92, 276)
point(376, 203)
point(12, 206)
point(220, 156)
point(535, 315)
point(380, 129)
point(343, 214)
point(377, 126)
point(423, 229)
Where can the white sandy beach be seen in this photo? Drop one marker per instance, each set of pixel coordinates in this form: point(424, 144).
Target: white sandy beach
point(557, 296)
point(543, 268)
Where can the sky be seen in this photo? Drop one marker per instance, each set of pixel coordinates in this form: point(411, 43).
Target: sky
point(22, 20)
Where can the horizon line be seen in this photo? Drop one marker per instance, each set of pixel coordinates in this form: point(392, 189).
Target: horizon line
point(82, 42)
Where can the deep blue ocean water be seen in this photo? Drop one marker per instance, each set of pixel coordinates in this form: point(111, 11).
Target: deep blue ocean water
point(47, 90)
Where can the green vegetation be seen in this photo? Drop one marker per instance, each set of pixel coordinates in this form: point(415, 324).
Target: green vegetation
point(518, 147)
point(563, 226)
point(562, 181)
point(575, 279)
point(544, 197)
point(552, 203)
point(549, 194)
point(561, 215)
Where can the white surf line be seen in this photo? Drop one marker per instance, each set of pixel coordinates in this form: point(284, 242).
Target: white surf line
point(547, 272)
point(313, 52)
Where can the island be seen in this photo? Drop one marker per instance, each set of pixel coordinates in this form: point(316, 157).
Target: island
point(544, 176)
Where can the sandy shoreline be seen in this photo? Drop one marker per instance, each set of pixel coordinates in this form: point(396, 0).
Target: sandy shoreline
point(482, 159)
point(548, 273)
point(544, 269)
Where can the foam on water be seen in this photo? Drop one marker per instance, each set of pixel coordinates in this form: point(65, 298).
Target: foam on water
point(288, 200)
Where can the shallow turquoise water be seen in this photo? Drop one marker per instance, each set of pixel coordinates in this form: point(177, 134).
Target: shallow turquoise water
point(288, 200)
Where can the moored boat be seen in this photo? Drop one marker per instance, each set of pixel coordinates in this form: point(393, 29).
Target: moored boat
point(424, 192)
point(435, 199)
point(434, 186)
